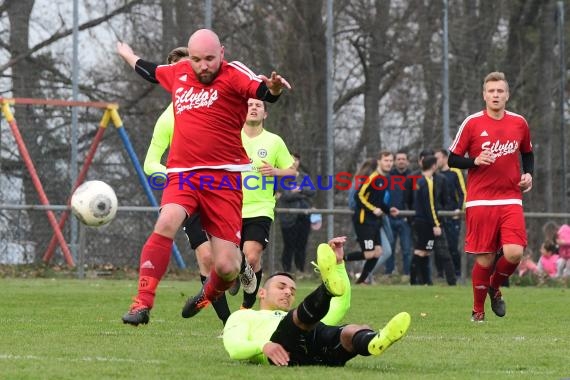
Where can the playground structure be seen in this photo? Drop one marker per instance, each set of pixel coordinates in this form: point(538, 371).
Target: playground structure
point(110, 114)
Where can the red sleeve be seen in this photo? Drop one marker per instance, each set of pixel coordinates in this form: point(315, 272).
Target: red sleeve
point(526, 145)
point(244, 80)
point(461, 143)
point(164, 75)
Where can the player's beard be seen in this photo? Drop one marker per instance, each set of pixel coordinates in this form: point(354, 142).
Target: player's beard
point(207, 77)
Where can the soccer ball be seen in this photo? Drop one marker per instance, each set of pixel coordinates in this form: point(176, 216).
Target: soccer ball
point(94, 203)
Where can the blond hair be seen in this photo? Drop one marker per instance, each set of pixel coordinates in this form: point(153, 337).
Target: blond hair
point(495, 76)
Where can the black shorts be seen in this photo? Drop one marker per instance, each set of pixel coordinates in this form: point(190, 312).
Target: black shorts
point(423, 235)
point(319, 346)
point(255, 229)
point(368, 236)
point(194, 231)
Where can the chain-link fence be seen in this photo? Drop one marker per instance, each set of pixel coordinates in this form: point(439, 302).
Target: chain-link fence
point(118, 244)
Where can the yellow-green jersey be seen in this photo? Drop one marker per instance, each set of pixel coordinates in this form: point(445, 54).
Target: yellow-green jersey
point(247, 331)
point(161, 138)
point(258, 192)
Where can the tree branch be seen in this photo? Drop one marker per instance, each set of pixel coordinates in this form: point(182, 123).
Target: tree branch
point(59, 35)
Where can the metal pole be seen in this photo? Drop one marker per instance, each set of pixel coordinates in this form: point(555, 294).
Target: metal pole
point(208, 14)
point(329, 118)
point(445, 79)
point(81, 253)
point(562, 105)
point(74, 124)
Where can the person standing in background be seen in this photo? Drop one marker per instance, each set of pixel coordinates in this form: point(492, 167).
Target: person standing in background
point(401, 228)
point(295, 227)
point(456, 191)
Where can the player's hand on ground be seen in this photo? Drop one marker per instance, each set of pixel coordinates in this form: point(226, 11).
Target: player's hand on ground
point(275, 83)
point(526, 182)
point(485, 158)
point(276, 353)
point(337, 244)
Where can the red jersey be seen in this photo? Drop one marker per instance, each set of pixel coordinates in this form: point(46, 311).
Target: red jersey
point(208, 118)
point(495, 184)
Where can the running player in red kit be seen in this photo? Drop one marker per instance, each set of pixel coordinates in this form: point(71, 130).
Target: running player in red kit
point(204, 163)
point(492, 140)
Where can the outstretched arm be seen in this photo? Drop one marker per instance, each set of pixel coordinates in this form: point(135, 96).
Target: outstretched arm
point(126, 52)
point(145, 69)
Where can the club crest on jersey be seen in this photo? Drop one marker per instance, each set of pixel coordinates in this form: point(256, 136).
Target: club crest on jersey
point(188, 99)
point(501, 149)
point(262, 153)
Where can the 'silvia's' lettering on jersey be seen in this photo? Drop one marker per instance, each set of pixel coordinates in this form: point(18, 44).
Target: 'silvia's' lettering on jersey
point(507, 138)
point(208, 118)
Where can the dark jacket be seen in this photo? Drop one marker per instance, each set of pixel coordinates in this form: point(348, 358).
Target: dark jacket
point(295, 199)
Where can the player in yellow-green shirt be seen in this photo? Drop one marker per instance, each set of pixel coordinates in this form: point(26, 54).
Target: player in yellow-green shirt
point(270, 159)
point(280, 335)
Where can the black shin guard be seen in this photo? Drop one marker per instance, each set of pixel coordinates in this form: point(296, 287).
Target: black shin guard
point(315, 306)
point(366, 269)
point(360, 341)
point(425, 269)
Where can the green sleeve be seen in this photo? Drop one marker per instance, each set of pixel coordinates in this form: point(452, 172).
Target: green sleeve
point(161, 138)
point(339, 305)
point(239, 342)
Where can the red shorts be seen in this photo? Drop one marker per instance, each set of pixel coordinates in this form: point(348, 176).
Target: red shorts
point(488, 228)
point(215, 194)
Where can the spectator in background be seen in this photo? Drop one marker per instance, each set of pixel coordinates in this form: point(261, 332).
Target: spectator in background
point(547, 264)
point(442, 258)
point(563, 241)
point(384, 166)
point(399, 224)
point(295, 227)
point(426, 224)
point(370, 206)
point(364, 170)
point(550, 231)
point(527, 265)
point(456, 191)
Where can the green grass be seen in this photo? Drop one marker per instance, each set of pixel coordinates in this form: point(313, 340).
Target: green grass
point(71, 329)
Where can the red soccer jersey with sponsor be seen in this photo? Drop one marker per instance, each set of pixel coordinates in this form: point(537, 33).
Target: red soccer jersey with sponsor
point(208, 118)
point(506, 138)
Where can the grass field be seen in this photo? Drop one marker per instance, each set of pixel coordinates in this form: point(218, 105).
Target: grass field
point(71, 329)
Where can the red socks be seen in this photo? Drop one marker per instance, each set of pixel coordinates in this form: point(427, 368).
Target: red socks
point(480, 279)
point(216, 286)
point(155, 256)
point(503, 269)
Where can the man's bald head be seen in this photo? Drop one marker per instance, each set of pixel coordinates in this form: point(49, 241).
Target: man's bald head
point(204, 37)
point(206, 55)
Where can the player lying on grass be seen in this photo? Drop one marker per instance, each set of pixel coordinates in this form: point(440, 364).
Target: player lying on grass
point(308, 334)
